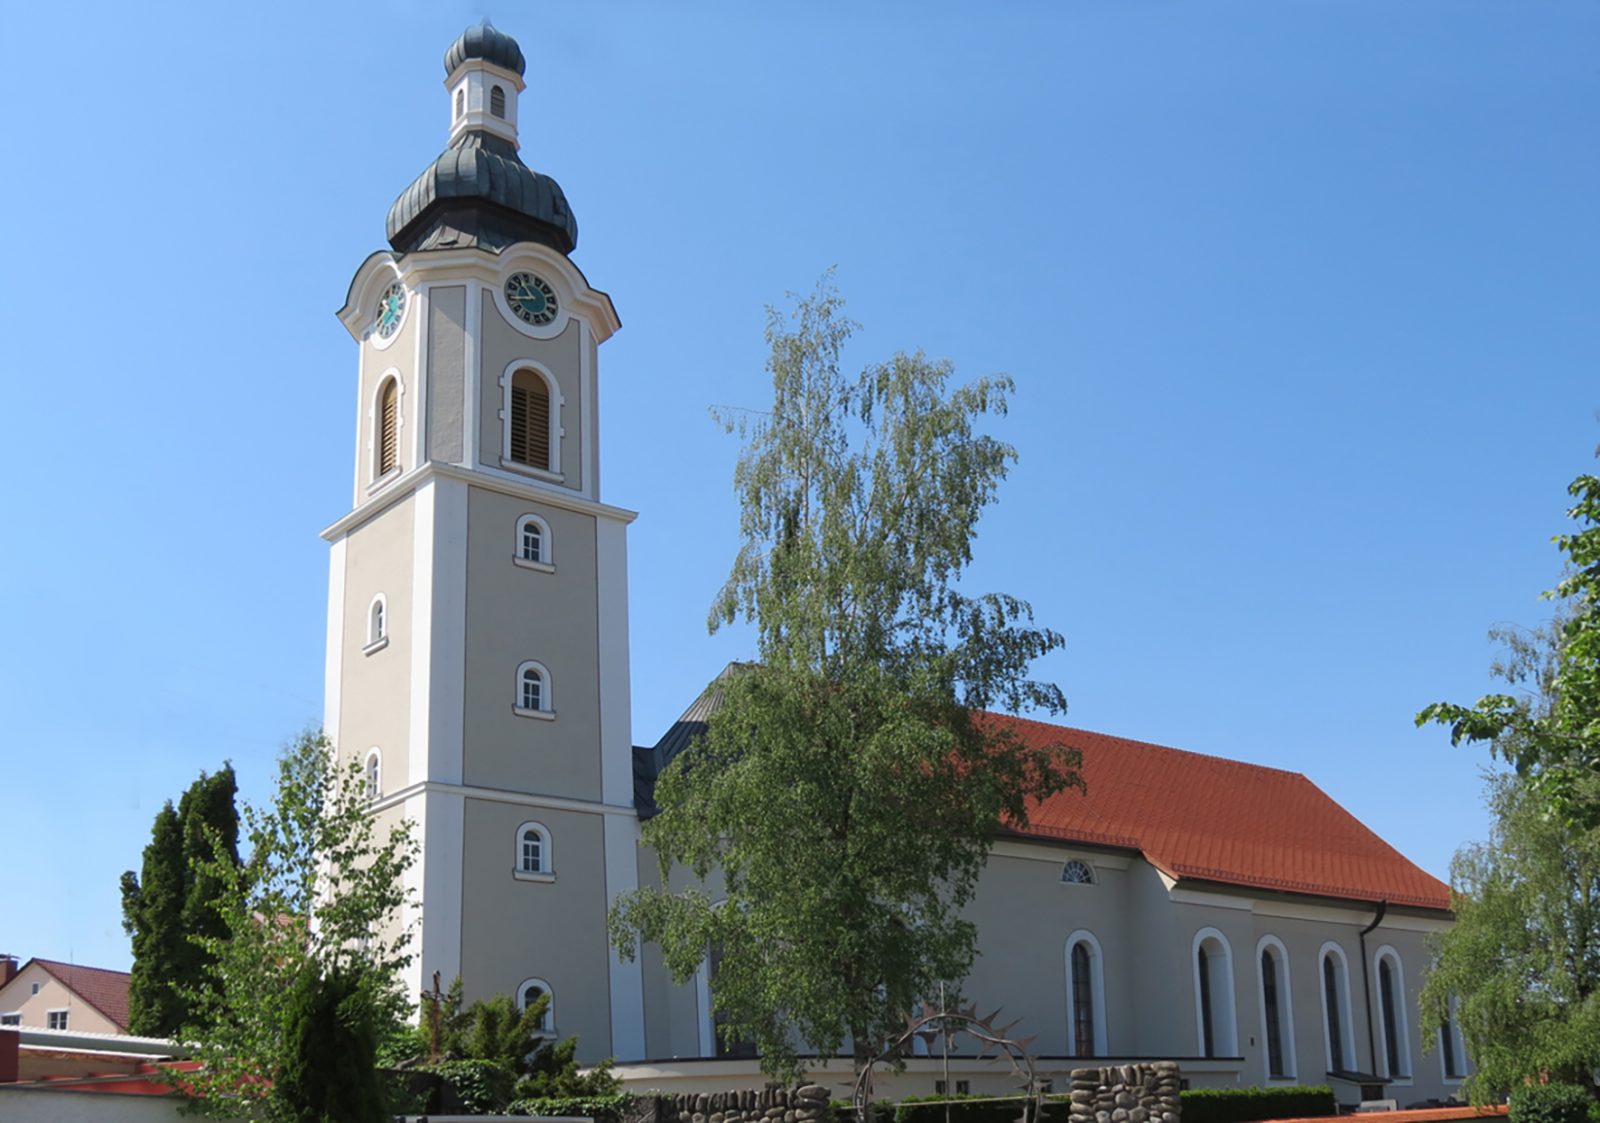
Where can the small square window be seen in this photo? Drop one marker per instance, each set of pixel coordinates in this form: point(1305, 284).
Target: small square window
point(56, 1019)
point(939, 1087)
point(963, 1087)
point(35, 989)
point(11, 1019)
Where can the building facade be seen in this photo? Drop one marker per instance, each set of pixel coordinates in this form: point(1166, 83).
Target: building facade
point(477, 669)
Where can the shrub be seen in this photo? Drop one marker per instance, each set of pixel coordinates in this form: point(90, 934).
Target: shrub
point(1242, 1105)
point(603, 1109)
point(967, 1108)
point(479, 1087)
point(1551, 1103)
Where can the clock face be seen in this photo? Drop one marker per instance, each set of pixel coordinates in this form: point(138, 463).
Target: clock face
point(391, 309)
point(531, 298)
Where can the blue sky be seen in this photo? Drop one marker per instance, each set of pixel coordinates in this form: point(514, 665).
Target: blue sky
point(1299, 299)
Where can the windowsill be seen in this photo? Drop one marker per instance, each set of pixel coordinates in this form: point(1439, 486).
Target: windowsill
point(376, 646)
point(1281, 1080)
point(1399, 1081)
point(539, 567)
point(524, 875)
point(384, 480)
point(511, 465)
point(542, 715)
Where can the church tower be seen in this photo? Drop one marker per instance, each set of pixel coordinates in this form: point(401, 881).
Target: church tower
point(477, 658)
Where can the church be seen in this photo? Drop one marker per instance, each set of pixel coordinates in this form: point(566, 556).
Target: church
point(1227, 916)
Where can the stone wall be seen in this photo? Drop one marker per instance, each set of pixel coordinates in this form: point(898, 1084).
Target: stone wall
point(1140, 1093)
point(807, 1103)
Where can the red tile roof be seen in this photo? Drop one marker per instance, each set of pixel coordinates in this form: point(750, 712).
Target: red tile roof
point(106, 991)
point(1203, 817)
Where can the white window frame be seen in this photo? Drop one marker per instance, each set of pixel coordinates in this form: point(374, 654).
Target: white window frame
point(1454, 1029)
point(1291, 1064)
point(545, 562)
point(546, 870)
point(377, 480)
point(1088, 867)
point(49, 1016)
point(377, 625)
point(546, 710)
point(548, 1027)
point(1097, 992)
point(1225, 1030)
point(1346, 1025)
point(372, 775)
point(1402, 1025)
point(547, 473)
point(10, 1018)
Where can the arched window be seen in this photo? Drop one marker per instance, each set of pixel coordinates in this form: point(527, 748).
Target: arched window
point(530, 992)
point(533, 849)
point(1451, 1049)
point(1086, 996)
point(461, 101)
point(373, 775)
point(533, 690)
point(1396, 1051)
point(1338, 1031)
point(378, 620)
point(530, 420)
point(1077, 872)
point(1277, 1008)
point(497, 101)
point(388, 421)
point(533, 541)
point(1213, 994)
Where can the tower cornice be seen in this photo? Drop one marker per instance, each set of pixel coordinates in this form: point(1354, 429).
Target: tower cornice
point(439, 266)
point(410, 483)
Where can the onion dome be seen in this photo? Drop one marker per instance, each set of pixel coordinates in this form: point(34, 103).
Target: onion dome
point(479, 193)
point(488, 43)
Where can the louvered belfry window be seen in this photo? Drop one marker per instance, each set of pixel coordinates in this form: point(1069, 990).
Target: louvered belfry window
point(530, 420)
point(388, 427)
point(497, 101)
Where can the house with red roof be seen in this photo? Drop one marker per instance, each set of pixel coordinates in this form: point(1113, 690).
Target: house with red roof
point(50, 994)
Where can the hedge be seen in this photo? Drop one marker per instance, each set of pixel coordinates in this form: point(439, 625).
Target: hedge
point(1243, 1105)
point(967, 1108)
point(603, 1109)
point(1552, 1103)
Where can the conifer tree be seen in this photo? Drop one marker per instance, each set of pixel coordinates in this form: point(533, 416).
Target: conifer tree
point(170, 903)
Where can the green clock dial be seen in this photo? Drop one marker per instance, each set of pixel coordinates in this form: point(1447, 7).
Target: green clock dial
point(531, 298)
point(391, 310)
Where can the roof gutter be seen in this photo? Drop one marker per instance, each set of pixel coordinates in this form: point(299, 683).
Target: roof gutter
point(1366, 981)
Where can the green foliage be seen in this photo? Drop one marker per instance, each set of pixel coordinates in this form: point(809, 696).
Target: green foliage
point(966, 1108)
point(330, 1070)
point(318, 898)
point(1551, 1103)
point(171, 902)
point(1552, 737)
point(603, 1108)
point(846, 790)
point(1241, 1105)
point(481, 1087)
point(1522, 960)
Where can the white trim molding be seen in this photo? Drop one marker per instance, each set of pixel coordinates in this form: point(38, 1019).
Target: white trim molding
point(376, 476)
point(1347, 1031)
point(545, 865)
point(547, 1028)
point(1220, 988)
point(1402, 1025)
point(551, 470)
point(1282, 977)
point(545, 561)
point(1097, 993)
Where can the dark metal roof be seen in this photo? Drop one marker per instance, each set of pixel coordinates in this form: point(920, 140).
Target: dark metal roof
point(649, 763)
point(487, 43)
point(480, 193)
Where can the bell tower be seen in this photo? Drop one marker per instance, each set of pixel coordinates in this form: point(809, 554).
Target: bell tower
point(477, 650)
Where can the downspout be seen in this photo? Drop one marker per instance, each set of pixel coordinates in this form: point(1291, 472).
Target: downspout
point(1366, 983)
